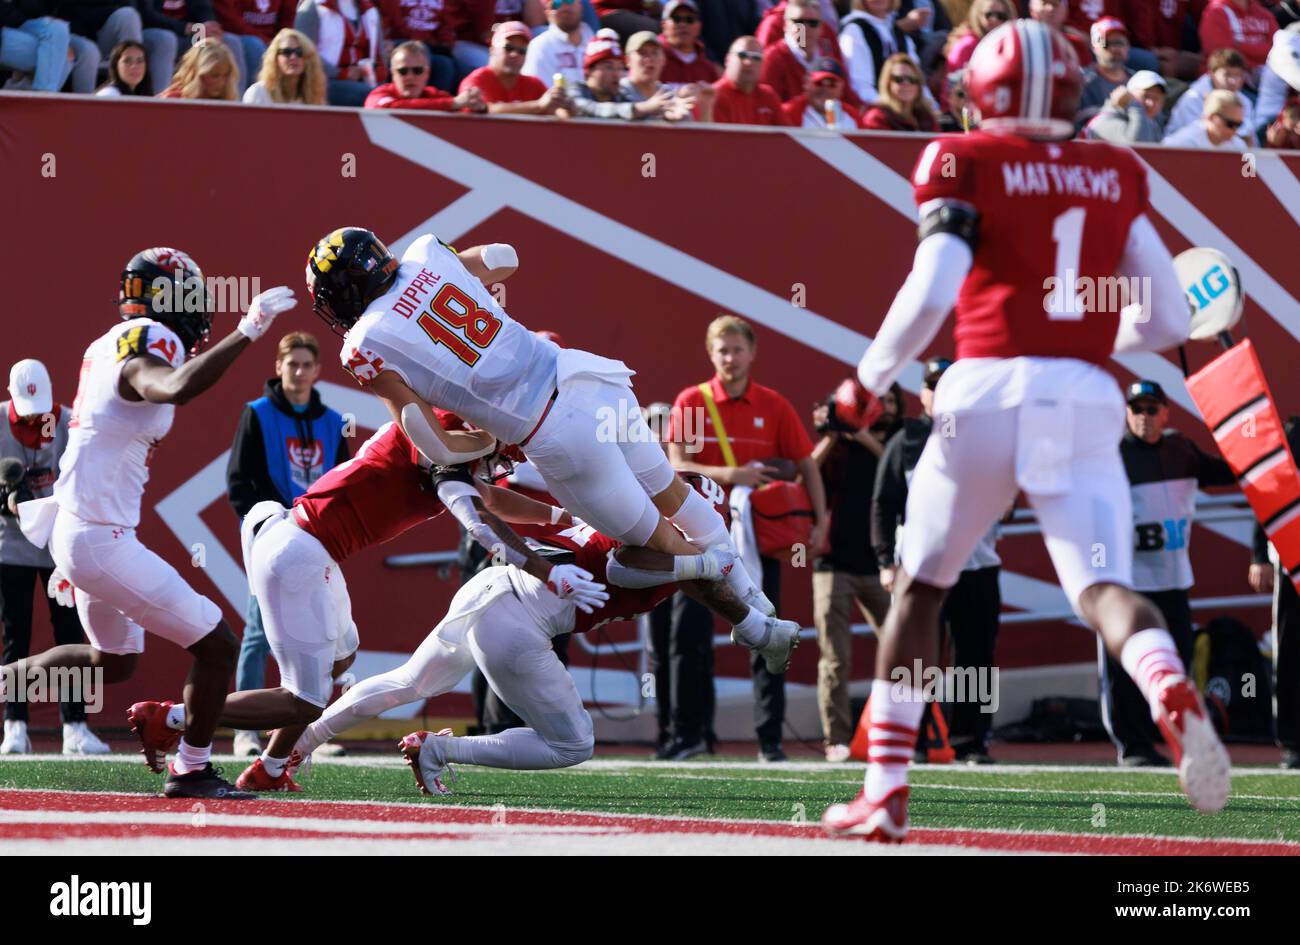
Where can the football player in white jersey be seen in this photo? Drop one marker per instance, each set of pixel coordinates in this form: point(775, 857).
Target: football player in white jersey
point(132, 378)
point(426, 332)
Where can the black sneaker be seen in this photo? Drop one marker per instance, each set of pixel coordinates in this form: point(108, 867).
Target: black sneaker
point(768, 753)
point(1144, 759)
point(205, 782)
point(679, 749)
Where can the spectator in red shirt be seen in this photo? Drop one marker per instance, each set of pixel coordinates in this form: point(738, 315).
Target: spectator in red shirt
point(1053, 14)
point(1086, 12)
point(786, 64)
point(1244, 25)
point(1285, 131)
point(626, 17)
point(1159, 28)
point(822, 106)
point(503, 88)
point(900, 106)
point(741, 98)
point(771, 28)
point(253, 24)
point(760, 424)
point(686, 60)
point(432, 22)
point(409, 88)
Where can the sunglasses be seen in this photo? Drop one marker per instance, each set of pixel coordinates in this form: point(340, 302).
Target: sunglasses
point(1234, 125)
point(1150, 410)
point(750, 56)
point(828, 83)
point(811, 24)
point(290, 51)
point(1116, 44)
point(905, 79)
point(411, 70)
point(684, 20)
point(517, 50)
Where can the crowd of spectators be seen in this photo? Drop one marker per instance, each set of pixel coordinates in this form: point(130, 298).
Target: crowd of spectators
point(1188, 73)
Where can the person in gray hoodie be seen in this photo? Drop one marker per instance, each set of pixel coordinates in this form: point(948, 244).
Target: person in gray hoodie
point(1133, 114)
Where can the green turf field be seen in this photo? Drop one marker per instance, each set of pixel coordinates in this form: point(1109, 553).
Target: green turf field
point(1103, 801)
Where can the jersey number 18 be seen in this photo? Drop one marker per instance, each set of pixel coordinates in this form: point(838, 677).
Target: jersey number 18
point(455, 320)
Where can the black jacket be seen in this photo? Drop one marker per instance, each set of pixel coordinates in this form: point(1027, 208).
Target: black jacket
point(248, 480)
point(1259, 547)
point(196, 11)
point(848, 474)
point(14, 13)
point(87, 17)
point(889, 498)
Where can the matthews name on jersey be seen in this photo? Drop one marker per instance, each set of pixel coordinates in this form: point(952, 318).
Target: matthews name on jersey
point(1050, 214)
point(444, 334)
point(111, 439)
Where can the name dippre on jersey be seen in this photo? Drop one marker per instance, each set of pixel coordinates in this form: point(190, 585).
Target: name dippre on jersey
point(1041, 178)
point(413, 296)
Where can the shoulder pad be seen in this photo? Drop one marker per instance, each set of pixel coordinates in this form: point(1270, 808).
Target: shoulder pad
point(959, 219)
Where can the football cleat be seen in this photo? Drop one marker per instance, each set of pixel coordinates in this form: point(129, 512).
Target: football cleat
point(428, 771)
point(149, 722)
point(78, 739)
point(782, 638)
point(882, 822)
point(16, 740)
point(205, 782)
point(256, 778)
point(1204, 769)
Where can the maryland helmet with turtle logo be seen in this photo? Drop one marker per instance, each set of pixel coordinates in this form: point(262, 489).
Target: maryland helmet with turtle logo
point(346, 271)
point(165, 284)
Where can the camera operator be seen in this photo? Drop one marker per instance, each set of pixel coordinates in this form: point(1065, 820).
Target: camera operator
point(32, 439)
point(847, 573)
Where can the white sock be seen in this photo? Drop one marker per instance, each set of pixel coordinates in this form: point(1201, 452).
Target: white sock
point(189, 758)
point(274, 766)
point(176, 717)
point(1149, 657)
point(895, 717)
point(705, 529)
point(753, 630)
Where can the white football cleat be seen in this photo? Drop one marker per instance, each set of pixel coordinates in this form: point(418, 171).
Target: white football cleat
point(247, 743)
point(1204, 769)
point(837, 754)
point(16, 741)
point(782, 638)
point(78, 739)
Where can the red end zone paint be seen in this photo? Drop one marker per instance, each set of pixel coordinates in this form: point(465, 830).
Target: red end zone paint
point(317, 815)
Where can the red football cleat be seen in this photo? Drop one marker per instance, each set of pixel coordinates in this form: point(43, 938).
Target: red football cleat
point(256, 778)
point(884, 822)
point(149, 722)
point(1204, 769)
point(428, 773)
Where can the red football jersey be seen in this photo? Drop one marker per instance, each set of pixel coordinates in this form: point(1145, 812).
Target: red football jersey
point(591, 549)
point(374, 496)
point(1054, 216)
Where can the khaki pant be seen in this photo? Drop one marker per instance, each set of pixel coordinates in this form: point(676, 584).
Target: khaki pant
point(834, 594)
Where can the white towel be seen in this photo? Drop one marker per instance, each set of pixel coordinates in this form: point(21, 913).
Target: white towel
point(742, 532)
point(36, 519)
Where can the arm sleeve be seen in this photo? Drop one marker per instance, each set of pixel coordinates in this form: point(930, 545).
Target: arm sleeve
point(464, 502)
point(1212, 470)
point(248, 480)
point(888, 499)
point(1166, 320)
point(938, 270)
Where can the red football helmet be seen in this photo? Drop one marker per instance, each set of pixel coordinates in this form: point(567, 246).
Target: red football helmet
point(1024, 79)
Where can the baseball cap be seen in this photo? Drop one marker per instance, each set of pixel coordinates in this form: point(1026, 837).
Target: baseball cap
point(934, 369)
point(600, 49)
point(1145, 390)
point(637, 40)
point(29, 386)
point(827, 68)
point(1145, 79)
point(672, 5)
point(1107, 24)
point(503, 31)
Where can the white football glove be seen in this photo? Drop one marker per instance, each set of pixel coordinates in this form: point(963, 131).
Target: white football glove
point(266, 305)
point(570, 582)
point(61, 589)
point(499, 256)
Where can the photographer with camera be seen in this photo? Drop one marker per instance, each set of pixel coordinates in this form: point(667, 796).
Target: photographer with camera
point(32, 439)
point(847, 573)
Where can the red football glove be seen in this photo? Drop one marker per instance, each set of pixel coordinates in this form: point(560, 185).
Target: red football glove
point(855, 406)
